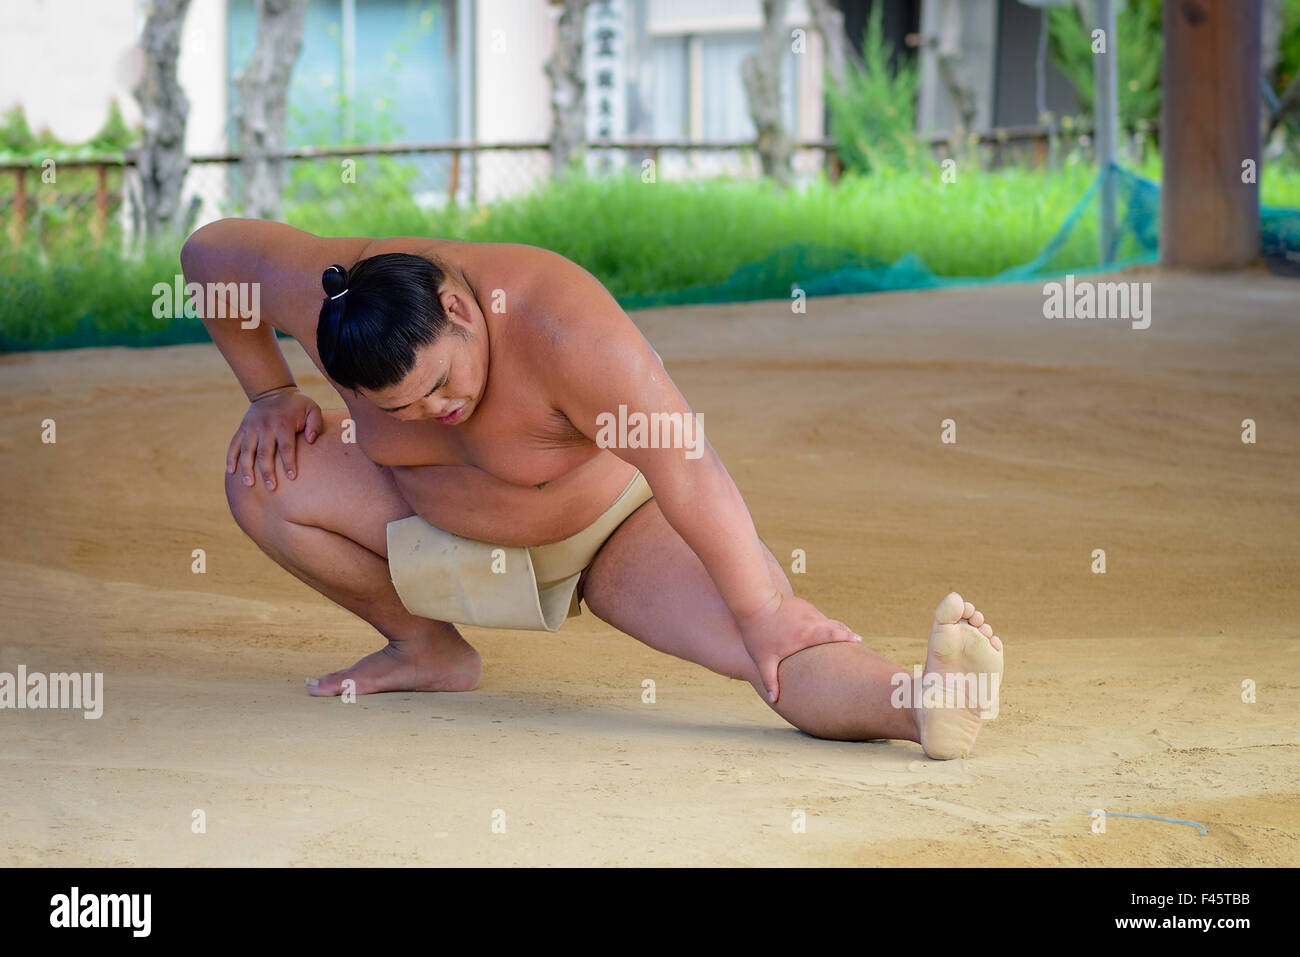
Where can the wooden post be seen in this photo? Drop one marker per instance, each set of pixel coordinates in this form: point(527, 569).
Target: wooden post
point(101, 202)
point(20, 205)
point(1209, 128)
point(1106, 124)
point(454, 185)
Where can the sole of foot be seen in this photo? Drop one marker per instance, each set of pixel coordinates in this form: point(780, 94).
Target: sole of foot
point(962, 644)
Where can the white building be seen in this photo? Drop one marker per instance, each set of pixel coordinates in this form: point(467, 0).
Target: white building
point(418, 71)
point(472, 71)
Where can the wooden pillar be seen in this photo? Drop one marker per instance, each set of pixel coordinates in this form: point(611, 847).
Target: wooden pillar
point(475, 168)
point(1209, 127)
point(1106, 125)
point(453, 186)
point(100, 222)
point(20, 205)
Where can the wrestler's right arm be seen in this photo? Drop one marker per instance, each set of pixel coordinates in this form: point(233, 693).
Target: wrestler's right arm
point(284, 264)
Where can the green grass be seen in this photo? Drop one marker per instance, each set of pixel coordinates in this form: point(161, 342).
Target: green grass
point(83, 299)
point(639, 239)
point(643, 238)
point(1279, 186)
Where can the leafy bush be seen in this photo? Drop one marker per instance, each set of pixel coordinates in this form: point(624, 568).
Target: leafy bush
point(59, 201)
point(1289, 46)
point(1140, 47)
point(873, 115)
point(18, 142)
point(382, 193)
point(85, 296)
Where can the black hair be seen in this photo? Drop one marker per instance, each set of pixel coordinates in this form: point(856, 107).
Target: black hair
point(376, 315)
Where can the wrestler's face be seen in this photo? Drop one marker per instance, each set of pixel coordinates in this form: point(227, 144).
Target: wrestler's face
point(450, 374)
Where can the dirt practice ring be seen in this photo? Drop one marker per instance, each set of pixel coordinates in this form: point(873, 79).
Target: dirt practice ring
point(1124, 691)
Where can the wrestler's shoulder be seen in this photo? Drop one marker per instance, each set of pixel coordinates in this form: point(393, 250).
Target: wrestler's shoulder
point(547, 296)
point(462, 252)
point(513, 267)
point(548, 290)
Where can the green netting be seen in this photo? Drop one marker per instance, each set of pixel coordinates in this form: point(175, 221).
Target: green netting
point(818, 270)
point(89, 334)
point(1076, 248)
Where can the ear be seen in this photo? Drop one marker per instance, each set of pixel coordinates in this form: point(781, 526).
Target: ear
point(459, 309)
point(454, 303)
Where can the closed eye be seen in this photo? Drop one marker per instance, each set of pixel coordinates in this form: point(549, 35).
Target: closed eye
point(442, 380)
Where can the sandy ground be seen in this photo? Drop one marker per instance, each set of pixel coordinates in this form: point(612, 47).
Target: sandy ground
point(1123, 690)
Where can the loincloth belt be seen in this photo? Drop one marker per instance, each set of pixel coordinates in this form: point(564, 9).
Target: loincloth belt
point(467, 582)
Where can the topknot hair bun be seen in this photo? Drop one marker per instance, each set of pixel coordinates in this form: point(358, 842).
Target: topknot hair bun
point(335, 281)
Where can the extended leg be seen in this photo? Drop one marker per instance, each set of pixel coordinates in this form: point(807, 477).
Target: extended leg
point(647, 582)
point(328, 527)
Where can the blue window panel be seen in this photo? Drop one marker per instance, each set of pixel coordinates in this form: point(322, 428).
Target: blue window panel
point(316, 114)
point(404, 78)
point(726, 107)
point(722, 94)
point(406, 67)
point(670, 99)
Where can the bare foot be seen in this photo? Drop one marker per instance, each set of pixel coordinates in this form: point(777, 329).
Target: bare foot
point(964, 656)
point(407, 666)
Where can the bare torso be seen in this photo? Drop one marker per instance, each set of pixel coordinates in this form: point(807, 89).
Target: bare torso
point(516, 472)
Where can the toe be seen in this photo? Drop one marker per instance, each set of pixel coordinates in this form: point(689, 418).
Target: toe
point(329, 685)
point(967, 609)
point(950, 610)
point(996, 642)
point(986, 630)
point(976, 618)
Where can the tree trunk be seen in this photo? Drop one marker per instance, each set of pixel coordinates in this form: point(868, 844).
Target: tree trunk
point(1270, 50)
point(568, 89)
point(1287, 103)
point(761, 73)
point(951, 67)
point(263, 104)
point(829, 23)
point(1270, 53)
point(162, 162)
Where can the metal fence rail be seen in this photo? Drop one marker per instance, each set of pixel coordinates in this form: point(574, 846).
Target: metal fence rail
point(96, 198)
point(91, 200)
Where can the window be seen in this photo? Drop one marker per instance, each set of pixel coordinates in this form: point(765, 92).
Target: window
point(369, 69)
point(670, 107)
point(697, 91)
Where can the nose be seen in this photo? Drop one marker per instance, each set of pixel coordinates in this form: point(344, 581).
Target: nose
point(437, 408)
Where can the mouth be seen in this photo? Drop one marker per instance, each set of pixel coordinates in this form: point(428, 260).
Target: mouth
point(451, 418)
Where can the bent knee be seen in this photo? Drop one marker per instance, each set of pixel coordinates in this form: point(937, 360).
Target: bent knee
point(312, 460)
point(251, 505)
